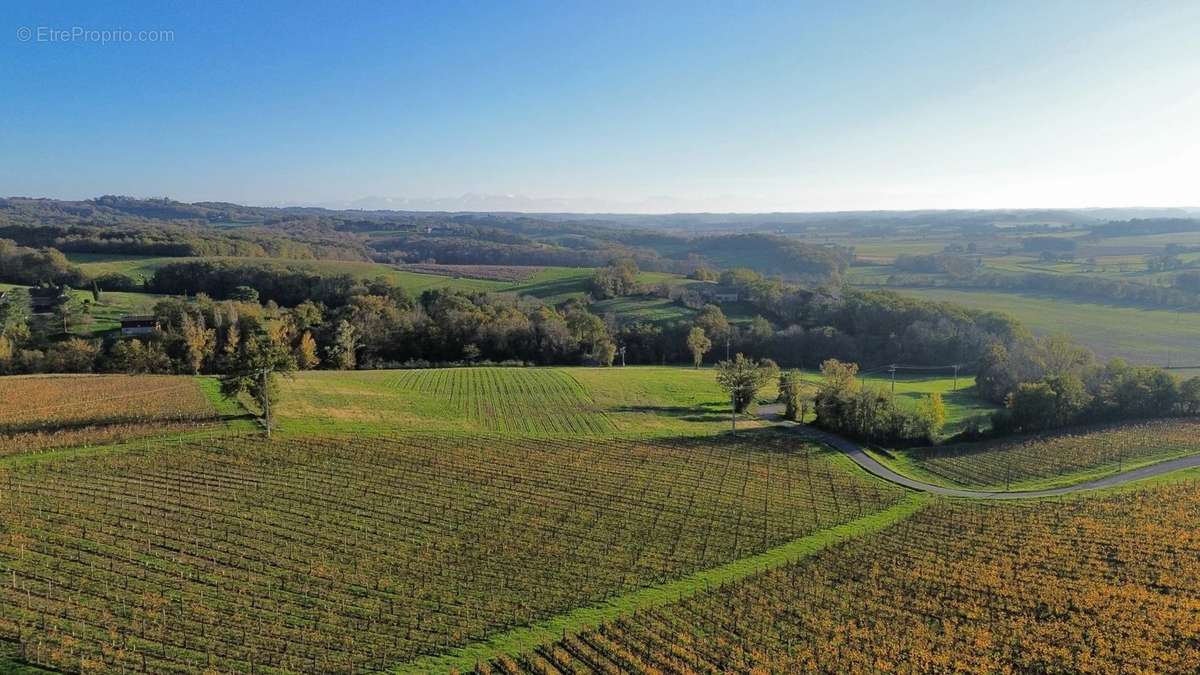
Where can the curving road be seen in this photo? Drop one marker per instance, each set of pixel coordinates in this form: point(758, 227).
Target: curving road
point(856, 453)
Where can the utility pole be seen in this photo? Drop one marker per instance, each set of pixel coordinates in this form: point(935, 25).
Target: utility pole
point(892, 370)
point(956, 377)
point(266, 399)
point(622, 350)
point(733, 411)
point(728, 339)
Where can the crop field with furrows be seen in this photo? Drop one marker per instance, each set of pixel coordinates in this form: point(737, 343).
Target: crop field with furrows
point(309, 555)
point(42, 412)
point(633, 401)
point(1038, 459)
point(518, 400)
point(1097, 585)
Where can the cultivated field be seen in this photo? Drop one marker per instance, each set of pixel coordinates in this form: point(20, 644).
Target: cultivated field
point(491, 272)
point(524, 401)
point(1104, 585)
point(1148, 336)
point(312, 555)
point(43, 412)
point(1042, 460)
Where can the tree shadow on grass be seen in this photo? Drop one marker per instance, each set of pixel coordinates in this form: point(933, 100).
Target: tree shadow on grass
point(771, 440)
point(708, 412)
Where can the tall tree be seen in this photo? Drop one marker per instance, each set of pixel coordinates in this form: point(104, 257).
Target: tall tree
point(254, 370)
point(342, 353)
point(792, 392)
point(306, 352)
point(198, 340)
point(743, 378)
point(699, 344)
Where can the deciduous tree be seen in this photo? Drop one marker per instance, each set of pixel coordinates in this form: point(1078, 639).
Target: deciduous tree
point(699, 344)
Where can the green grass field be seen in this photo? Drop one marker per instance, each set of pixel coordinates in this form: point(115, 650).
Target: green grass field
point(106, 314)
point(524, 401)
point(143, 267)
point(551, 284)
point(962, 403)
point(1146, 336)
point(636, 400)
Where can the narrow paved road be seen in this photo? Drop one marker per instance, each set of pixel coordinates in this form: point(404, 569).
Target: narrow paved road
point(856, 453)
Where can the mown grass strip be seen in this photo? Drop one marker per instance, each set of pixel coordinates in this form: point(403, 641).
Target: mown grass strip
point(529, 637)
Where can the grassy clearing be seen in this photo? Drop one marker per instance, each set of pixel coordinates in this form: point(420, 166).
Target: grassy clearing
point(1051, 460)
point(1106, 584)
point(962, 403)
point(1149, 336)
point(348, 555)
point(142, 267)
point(524, 401)
point(106, 314)
point(555, 285)
point(636, 308)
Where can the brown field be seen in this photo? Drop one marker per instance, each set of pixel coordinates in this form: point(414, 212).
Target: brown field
point(39, 413)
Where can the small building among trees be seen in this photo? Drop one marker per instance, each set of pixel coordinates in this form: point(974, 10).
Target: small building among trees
point(136, 325)
point(722, 293)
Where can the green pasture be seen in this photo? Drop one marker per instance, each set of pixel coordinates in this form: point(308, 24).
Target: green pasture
point(632, 401)
point(106, 314)
point(1145, 336)
point(962, 403)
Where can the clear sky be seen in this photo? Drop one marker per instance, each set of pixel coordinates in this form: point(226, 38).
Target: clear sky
point(694, 106)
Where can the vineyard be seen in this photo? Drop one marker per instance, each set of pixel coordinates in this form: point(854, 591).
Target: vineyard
point(39, 413)
point(1012, 462)
point(310, 555)
point(519, 401)
point(1102, 585)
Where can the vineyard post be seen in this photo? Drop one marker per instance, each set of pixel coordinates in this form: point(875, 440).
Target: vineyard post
point(266, 403)
point(733, 411)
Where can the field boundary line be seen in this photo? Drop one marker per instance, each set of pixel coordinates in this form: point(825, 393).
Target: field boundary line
point(525, 638)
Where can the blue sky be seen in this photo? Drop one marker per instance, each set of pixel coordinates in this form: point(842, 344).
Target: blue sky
point(609, 106)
